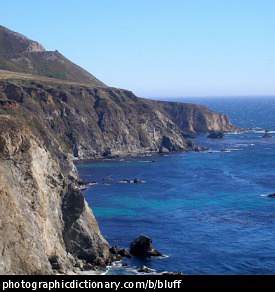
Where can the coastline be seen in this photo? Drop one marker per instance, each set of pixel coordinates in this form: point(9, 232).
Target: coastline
point(238, 145)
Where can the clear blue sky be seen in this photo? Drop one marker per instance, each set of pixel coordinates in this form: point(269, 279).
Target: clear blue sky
point(159, 47)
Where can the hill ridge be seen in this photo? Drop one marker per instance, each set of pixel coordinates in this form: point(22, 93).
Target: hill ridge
point(23, 55)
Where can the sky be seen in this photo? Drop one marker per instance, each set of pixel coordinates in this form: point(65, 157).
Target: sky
point(159, 48)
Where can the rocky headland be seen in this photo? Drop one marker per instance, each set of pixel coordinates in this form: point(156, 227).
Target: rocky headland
point(52, 112)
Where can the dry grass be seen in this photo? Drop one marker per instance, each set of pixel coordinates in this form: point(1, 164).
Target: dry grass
point(9, 75)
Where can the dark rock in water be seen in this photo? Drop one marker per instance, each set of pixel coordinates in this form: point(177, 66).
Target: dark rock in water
point(123, 264)
point(137, 180)
point(115, 250)
point(200, 148)
point(145, 269)
point(128, 181)
point(266, 134)
point(116, 258)
point(215, 135)
point(124, 253)
point(271, 195)
point(142, 247)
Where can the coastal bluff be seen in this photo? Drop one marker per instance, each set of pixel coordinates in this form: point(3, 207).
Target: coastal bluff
point(45, 222)
point(53, 112)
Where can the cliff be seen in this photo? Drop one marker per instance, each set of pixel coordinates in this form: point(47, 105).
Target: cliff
point(93, 122)
point(51, 112)
point(45, 223)
point(196, 118)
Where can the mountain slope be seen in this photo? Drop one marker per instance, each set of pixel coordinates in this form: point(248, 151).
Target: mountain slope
point(20, 54)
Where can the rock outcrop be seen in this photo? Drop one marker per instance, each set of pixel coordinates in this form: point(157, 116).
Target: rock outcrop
point(145, 270)
point(192, 118)
point(45, 223)
point(13, 42)
point(142, 247)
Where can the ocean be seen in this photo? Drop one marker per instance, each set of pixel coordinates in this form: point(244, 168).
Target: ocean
point(207, 212)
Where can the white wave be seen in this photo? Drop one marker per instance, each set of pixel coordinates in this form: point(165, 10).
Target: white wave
point(164, 256)
point(241, 145)
point(130, 181)
point(236, 149)
point(260, 131)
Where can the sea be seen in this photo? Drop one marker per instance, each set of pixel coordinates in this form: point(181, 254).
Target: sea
point(207, 212)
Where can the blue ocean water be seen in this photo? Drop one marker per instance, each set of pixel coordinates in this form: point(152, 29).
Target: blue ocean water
point(207, 212)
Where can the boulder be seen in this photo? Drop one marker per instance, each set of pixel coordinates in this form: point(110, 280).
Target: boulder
point(124, 253)
point(145, 269)
point(142, 247)
point(266, 134)
point(115, 250)
point(137, 180)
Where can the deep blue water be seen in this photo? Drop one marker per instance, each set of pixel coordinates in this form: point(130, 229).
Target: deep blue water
point(208, 211)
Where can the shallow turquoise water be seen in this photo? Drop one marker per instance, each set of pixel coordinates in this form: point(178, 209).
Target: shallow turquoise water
point(208, 211)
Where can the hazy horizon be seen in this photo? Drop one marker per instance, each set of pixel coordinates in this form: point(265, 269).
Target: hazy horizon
point(159, 48)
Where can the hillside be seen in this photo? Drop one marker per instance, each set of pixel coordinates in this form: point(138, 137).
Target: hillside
point(20, 54)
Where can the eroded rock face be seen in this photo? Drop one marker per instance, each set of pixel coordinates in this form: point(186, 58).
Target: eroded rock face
point(37, 234)
point(109, 122)
point(192, 118)
point(13, 42)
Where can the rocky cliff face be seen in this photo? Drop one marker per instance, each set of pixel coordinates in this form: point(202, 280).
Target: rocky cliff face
point(45, 223)
point(13, 42)
point(200, 119)
point(94, 122)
